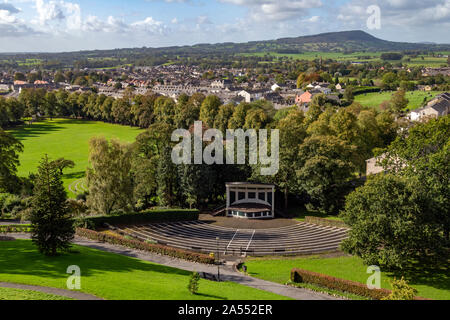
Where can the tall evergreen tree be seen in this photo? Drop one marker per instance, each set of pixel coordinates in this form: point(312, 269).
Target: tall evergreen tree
point(52, 227)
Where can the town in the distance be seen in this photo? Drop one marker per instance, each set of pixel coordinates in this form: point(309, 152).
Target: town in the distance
point(93, 207)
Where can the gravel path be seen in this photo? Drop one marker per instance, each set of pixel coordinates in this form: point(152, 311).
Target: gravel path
point(227, 273)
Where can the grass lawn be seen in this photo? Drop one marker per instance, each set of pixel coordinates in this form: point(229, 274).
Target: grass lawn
point(65, 138)
point(300, 213)
point(20, 294)
point(415, 98)
point(433, 284)
point(113, 276)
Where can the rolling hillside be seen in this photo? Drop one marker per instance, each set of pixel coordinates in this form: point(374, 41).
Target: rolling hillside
point(345, 41)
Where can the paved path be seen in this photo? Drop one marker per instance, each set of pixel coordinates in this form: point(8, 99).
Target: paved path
point(227, 273)
point(59, 292)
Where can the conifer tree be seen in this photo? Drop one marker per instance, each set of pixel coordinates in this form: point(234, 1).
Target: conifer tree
point(52, 227)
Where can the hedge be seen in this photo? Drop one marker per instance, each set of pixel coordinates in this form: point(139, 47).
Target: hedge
point(299, 275)
point(144, 246)
point(362, 90)
point(325, 222)
point(152, 216)
point(15, 228)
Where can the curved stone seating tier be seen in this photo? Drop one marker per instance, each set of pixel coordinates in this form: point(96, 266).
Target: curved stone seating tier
point(301, 238)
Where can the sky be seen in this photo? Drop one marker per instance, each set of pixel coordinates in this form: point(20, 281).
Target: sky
point(73, 25)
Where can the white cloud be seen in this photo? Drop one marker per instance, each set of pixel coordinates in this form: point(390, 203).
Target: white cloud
point(149, 25)
point(400, 13)
point(313, 19)
point(10, 24)
point(49, 11)
point(263, 10)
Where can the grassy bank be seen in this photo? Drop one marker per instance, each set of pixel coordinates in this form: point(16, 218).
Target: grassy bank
point(113, 276)
point(430, 283)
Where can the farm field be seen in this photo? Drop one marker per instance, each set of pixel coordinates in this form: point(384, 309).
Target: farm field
point(65, 138)
point(427, 61)
point(112, 276)
point(316, 55)
point(416, 98)
point(433, 284)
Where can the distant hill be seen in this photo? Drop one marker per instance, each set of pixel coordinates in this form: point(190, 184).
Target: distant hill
point(345, 41)
point(356, 40)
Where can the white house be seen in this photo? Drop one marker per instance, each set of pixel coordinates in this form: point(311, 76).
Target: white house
point(246, 95)
point(275, 87)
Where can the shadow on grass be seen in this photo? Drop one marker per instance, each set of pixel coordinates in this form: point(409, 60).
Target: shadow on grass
point(74, 175)
point(35, 130)
point(44, 127)
point(210, 296)
point(436, 277)
point(21, 257)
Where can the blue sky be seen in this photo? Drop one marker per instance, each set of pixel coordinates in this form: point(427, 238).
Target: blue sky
point(71, 25)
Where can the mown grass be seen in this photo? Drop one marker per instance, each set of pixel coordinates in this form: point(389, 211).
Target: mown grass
point(113, 276)
point(416, 98)
point(65, 138)
point(20, 294)
point(431, 283)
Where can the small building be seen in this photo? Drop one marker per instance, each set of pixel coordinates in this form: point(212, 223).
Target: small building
point(372, 166)
point(275, 87)
point(250, 200)
point(438, 107)
point(303, 98)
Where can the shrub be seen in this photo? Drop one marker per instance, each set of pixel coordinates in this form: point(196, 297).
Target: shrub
point(15, 228)
point(401, 291)
point(364, 89)
point(149, 247)
point(193, 283)
point(299, 275)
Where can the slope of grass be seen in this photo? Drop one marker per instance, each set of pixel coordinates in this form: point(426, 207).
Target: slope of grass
point(433, 284)
point(113, 276)
point(416, 98)
point(65, 138)
point(20, 294)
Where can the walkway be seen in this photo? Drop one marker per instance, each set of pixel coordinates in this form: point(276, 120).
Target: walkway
point(226, 272)
point(59, 292)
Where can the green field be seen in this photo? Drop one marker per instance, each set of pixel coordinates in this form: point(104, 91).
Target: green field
point(428, 61)
point(433, 284)
point(375, 99)
point(65, 138)
point(113, 276)
point(20, 294)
